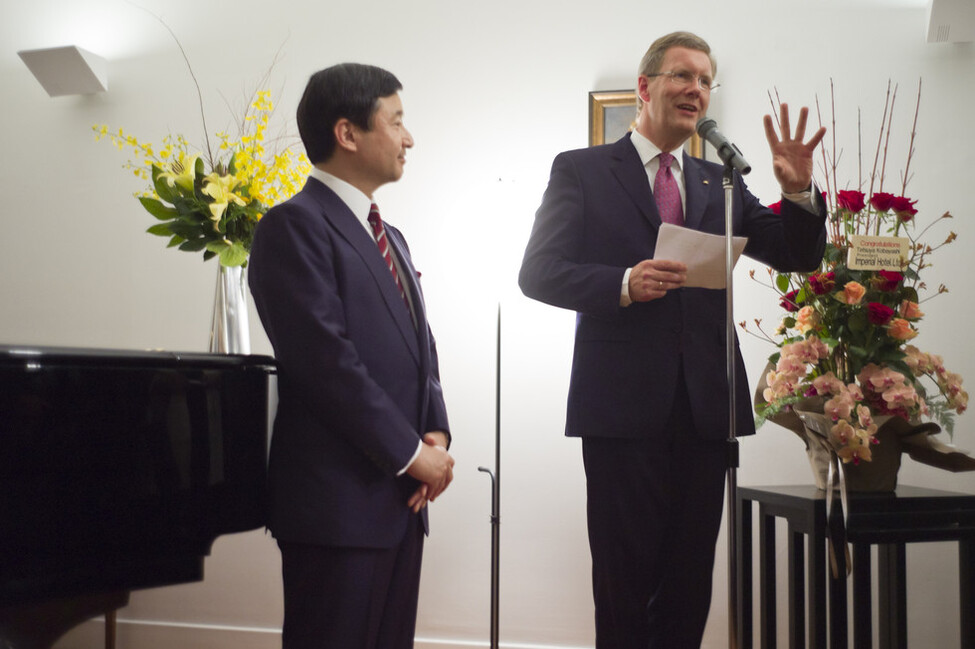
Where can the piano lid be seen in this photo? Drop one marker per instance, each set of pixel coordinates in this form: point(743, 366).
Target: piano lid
point(118, 469)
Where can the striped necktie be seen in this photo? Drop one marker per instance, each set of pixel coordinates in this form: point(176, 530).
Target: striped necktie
point(379, 231)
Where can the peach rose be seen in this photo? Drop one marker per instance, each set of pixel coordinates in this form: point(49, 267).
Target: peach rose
point(806, 319)
point(852, 293)
point(910, 310)
point(900, 329)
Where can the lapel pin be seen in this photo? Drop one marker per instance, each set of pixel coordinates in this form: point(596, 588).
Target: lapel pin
point(705, 181)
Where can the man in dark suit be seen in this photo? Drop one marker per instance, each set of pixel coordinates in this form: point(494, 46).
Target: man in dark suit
point(648, 393)
point(360, 437)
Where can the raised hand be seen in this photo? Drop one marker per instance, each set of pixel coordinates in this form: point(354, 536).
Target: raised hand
point(791, 158)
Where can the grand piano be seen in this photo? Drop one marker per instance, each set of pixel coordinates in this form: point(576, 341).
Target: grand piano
point(118, 470)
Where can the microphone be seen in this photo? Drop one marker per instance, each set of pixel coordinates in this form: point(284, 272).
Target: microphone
point(707, 128)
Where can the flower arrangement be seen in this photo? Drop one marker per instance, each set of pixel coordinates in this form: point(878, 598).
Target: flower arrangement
point(212, 203)
point(844, 340)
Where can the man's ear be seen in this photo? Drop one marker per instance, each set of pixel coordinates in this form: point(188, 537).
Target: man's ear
point(346, 135)
point(641, 88)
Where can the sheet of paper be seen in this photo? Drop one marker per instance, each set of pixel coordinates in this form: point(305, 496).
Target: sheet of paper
point(702, 252)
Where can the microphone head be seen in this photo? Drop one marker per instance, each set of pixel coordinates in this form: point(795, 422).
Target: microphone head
point(705, 125)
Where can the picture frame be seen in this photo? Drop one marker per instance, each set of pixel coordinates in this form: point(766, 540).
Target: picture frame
point(613, 112)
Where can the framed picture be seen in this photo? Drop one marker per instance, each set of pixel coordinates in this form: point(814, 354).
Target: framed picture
point(612, 113)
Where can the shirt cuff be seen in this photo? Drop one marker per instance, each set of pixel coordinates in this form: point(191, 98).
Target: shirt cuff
point(625, 289)
point(412, 460)
point(807, 200)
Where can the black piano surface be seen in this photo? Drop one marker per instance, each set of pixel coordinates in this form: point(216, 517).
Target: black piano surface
point(118, 469)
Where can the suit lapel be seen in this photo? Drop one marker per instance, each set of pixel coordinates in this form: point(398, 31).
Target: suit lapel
point(336, 212)
point(632, 175)
point(410, 279)
point(696, 189)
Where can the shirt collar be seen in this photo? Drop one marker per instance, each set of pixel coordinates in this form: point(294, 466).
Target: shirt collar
point(353, 197)
point(648, 151)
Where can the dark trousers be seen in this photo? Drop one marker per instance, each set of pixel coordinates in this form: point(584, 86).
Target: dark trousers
point(351, 598)
point(654, 510)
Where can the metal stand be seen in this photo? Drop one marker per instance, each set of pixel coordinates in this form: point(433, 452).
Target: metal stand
point(496, 495)
point(728, 184)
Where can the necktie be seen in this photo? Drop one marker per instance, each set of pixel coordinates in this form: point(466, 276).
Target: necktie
point(666, 193)
point(379, 231)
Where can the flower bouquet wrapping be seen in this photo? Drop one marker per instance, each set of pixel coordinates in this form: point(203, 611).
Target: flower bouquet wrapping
point(846, 376)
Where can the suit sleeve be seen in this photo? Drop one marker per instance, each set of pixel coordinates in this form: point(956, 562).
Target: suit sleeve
point(293, 280)
point(793, 241)
point(554, 269)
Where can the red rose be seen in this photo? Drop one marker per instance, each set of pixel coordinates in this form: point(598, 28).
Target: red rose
point(879, 314)
point(776, 207)
point(850, 200)
point(788, 301)
point(904, 207)
point(888, 280)
point(881, 201)
point(822, 283)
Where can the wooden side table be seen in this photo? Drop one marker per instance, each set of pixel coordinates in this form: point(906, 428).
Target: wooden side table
point(887, 520)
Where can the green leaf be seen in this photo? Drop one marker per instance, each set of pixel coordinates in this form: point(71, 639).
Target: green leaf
point(193, 245)
point(231, 254)
point(857, 351)
point(155, 207)
point(162, 188)
point(858, 321)
point(160, 230)
point(186, 230)
point(782, 283)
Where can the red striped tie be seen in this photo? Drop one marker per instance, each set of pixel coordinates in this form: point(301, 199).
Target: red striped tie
point(379, 231)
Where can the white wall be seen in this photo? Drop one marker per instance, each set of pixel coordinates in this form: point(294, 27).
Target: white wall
point(492, 92)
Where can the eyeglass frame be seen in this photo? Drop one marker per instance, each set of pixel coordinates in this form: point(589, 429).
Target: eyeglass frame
point(675, 77)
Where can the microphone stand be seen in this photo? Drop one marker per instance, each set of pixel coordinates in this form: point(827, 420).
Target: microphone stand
point(727, 183)
point(496, 495)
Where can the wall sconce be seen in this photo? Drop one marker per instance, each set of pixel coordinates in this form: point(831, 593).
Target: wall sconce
point(67, 70)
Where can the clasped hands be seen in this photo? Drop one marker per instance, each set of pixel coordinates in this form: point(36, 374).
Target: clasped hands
point(433, 467)
point(792, 164)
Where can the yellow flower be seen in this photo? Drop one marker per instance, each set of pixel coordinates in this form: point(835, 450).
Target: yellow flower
point(221, 190)
point(183, 172)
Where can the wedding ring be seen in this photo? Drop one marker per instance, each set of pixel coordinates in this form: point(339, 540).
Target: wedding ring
point(661, 284)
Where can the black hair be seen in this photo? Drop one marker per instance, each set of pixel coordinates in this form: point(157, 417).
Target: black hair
point(349, 90)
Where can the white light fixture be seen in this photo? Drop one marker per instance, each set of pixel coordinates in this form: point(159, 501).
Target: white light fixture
point(951, 21)
point(67, 70)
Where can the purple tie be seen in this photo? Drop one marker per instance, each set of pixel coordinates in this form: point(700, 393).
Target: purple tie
point(666, 193)
point(379, 231)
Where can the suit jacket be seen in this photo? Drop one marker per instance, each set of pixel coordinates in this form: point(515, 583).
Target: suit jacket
point(358, 383)
point(597, 218)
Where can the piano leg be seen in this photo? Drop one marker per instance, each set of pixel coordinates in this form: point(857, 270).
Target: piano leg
point(38, 626)
point(110, 629)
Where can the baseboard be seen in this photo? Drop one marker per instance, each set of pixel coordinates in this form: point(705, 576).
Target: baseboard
point(155, 635)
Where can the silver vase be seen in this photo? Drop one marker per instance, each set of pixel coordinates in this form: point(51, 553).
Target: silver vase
point(229, 332)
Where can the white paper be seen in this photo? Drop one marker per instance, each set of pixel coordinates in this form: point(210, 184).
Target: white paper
point(703, 253)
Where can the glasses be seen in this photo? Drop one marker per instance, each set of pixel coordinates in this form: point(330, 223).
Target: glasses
point(686, 79)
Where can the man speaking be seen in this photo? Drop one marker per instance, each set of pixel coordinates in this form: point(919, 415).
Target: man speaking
point(648, 393)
